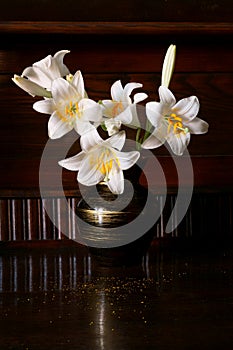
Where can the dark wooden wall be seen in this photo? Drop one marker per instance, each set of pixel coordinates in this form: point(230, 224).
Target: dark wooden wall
point(127, 41)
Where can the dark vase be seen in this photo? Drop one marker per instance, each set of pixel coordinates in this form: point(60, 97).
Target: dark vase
point(118, 229)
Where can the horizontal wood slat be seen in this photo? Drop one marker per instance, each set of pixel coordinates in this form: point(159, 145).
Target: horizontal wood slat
point(208, 217)
point(116, 28)
point(121, 54)
point(211, 174)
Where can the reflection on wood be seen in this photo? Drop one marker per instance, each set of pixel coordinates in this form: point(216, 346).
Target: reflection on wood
point(38, 272)
point(48, 301)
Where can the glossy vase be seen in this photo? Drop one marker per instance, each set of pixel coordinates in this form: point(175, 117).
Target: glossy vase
point(118, 228)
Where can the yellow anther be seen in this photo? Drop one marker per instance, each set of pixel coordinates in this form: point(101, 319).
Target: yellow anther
point(105, 163)
point(175, 117)
point(176, 122)
point(178, 126)
point(178, 118)
point(105, 167)
point(72, 110)
point(108, 166)
point(102, 169)
point(69, 78)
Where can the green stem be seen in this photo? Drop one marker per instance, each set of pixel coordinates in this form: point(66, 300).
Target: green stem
point(138, 143)
point(148, 130)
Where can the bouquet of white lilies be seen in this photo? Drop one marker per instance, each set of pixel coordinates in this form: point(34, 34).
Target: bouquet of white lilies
point(102, 160)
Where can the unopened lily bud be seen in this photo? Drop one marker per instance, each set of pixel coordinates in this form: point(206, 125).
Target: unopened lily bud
point(30, 87)
point(168, 65)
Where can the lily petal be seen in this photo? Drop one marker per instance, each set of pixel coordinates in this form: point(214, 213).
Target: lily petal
point(88, 174)
point(62, 90)
point(90, 139)
point(53, 66)
point(161, 132)
point(126, 116)
point(117, 91)
point(44, 106)
point(73, 163)
point(82, 127)
point(154, 112)
point(178, 143)
point(187, 108)
point(128, 90)
point(59, 56)
point(36, 75)
point(90, 110)
point(44, 64)
point(116, 180)
point(78, 82)
point(139, 97)
point(166, 96)
point(197, 126)
point(56, 127)
point(127, 159)
point(152, 142)
point(117, 140)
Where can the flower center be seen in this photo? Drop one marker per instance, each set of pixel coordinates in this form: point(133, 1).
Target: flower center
point(69, 112)
point(105, 163)
point(174, 122)
point(117, 109)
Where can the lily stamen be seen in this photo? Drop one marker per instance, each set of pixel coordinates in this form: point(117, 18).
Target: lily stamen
point(105, 163)
point(72, 110)
point(176, 122)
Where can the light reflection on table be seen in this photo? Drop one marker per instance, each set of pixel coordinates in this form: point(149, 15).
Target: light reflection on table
point(65, 300)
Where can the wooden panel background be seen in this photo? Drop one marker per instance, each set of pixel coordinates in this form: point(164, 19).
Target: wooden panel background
point(128, 42)
point(131, 10)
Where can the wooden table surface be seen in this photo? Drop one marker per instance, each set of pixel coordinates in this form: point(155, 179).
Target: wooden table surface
point(64, 299)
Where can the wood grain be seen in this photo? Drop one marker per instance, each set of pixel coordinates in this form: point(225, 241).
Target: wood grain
point(121, 53)
point(148, 10)
point(117, 28)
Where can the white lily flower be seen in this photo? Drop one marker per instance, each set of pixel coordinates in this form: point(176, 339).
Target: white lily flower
point(45, 71)
point(121, 109)
point(102, 161)
point(69, 108)
point(42, 74)
point(173, 121)
point(168, 65)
